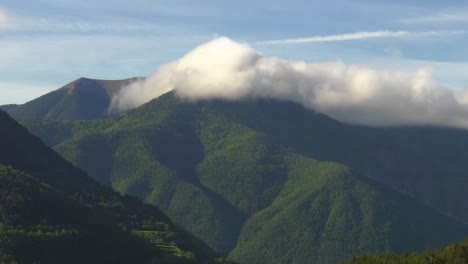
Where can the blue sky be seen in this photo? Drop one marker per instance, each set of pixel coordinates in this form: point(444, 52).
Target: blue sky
point(45, 44)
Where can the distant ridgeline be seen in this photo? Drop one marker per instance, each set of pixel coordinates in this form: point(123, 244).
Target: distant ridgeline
point(82, 99)
point(272, 182)
point(52, 212)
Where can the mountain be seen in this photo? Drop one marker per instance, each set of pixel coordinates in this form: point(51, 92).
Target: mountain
point(82, 99)
point(52, 212)
point(272, 182)
point(454, 253)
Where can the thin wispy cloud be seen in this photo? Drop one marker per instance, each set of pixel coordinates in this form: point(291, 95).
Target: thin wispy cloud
point(362, 35)
point(340, 37)
point(40, 24)
point(444, 18)
point(439, 33)
point(3, 18)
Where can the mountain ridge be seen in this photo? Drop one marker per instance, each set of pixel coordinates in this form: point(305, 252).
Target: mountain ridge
point(81, 99)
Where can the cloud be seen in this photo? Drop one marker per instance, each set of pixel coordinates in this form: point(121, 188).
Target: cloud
point(225, 69)
point(362, 35)
point(47, 25)
point(3, 18)
point(451, 17)
point(342, 37)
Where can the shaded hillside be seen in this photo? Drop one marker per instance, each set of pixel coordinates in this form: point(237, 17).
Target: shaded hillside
point(82, 99)
point(456, 253)
point(429, 163)
point(51, 212)
point(253, 179)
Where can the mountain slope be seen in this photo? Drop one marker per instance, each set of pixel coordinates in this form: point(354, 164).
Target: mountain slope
point(222, 169)
point(336, 213)
point(82, 99)
point(426, 162)
point(51, 212)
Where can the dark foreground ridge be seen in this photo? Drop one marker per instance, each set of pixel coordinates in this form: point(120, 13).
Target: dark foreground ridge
point(51, 212)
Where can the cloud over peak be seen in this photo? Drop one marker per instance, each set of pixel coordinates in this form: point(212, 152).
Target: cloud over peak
point(225, 69)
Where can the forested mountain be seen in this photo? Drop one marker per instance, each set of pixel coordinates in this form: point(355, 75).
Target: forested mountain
point(52, 212)
point(82, 99)
point(273, 182)
point(456, 253)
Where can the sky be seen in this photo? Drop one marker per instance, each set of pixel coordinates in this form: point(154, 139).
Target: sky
point(45, 44)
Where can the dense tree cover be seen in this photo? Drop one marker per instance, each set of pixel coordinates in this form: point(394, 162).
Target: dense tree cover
point(82, 99)
point(336, 214)
point(53, 132)
point(455, 253)
point(272, 182)
point(51, 212)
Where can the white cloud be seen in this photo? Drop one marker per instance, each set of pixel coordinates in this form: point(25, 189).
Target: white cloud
point(341, 37)
point(225, 69)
